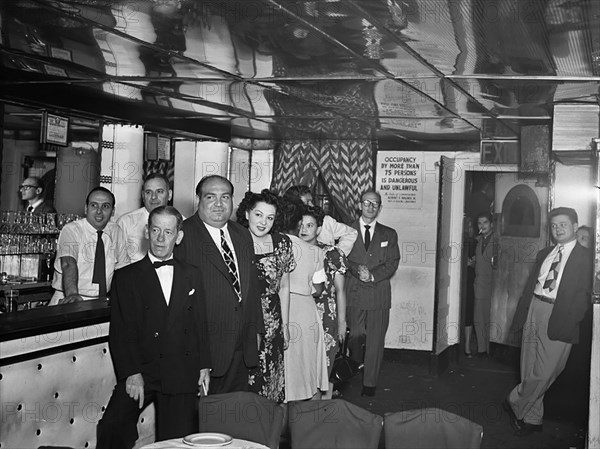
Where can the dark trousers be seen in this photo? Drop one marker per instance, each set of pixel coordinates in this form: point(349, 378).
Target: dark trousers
point(176, 416)
point(235, 379)
point(368, 327)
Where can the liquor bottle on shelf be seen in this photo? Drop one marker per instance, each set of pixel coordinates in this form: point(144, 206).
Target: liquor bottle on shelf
point(27, 243)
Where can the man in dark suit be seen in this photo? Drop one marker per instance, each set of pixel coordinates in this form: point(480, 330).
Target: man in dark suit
point(158, 340)
point(553, 303)
point(32, 193)
point(224, 252)
point(373, 261)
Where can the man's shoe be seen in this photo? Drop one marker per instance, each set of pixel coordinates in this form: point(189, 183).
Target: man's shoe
point(527, 429)
point(515, 422)
point(368, 391)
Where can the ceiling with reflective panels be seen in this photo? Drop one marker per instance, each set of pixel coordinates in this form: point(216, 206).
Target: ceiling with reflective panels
point(411, 70)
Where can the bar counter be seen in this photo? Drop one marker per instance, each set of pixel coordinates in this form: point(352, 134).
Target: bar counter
point(56, 376)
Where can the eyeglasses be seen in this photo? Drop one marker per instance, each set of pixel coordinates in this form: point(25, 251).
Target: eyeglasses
point(27, 187)
point(373, 204)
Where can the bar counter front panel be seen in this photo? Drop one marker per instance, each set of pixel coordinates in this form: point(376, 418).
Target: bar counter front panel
point(56, 377)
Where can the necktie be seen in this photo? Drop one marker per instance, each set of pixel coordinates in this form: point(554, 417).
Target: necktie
point(29, 208)
point(228, 256)
point(99, 275)
point(367, 236)
point(550, 282)
point(162, 263)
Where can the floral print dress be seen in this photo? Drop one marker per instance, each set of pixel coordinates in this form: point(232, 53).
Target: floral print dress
point(335, 262)
point(268, 378)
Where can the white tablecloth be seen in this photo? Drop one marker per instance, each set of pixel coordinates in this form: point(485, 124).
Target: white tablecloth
point(177, 443)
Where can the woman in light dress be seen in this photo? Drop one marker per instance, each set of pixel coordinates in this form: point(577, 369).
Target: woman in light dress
point(331, 304)
point(305, 359)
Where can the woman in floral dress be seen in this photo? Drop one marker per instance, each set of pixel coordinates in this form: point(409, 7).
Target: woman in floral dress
point(275, 260)
point(331, 304)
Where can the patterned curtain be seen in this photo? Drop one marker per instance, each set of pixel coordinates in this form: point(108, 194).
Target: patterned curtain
point(337, 148)
point(166, 168)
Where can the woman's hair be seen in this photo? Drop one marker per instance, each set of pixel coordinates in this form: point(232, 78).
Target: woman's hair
point(316, 212)
point(291, 210)
point(250, 201)
point(297, 191)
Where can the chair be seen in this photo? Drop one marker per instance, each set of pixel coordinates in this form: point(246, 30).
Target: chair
point(242, 415)
point(333, 423)
point(430, 428)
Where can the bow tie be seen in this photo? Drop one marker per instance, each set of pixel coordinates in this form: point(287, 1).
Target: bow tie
point(162, 263)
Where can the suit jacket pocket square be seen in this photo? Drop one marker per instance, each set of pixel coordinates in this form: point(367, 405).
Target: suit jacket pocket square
point(383, 244)
point(192, 291)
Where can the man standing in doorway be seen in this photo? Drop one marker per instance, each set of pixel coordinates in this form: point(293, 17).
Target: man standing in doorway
point(553, 303)
point(89, 250)
point(373, 261)
point(224, 252)
point(155, 193)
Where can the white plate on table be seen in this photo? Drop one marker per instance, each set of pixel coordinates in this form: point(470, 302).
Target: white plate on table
point(208, 439)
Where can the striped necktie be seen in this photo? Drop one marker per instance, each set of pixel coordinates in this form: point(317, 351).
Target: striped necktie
point(230, 261)
point(550, 282)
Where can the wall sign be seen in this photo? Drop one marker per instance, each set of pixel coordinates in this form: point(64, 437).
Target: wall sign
point(499, 152)
point(157, 147)
point(399, 179)
point(55, 129)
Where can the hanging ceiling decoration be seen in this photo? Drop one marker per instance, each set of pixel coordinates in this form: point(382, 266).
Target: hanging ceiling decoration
point(424, 69)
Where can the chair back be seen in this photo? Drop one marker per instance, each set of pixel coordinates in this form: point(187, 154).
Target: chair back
point(242, 415)
point(333, 423)
point(430, 428)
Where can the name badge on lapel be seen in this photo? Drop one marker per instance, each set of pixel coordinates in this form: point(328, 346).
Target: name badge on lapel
point(384, 244)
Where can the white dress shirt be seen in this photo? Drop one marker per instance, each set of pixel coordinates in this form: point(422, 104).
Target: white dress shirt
point(371, 228)
point(165, 276)
point(215, 234)
point(545, 269)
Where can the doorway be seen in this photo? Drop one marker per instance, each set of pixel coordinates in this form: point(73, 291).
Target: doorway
point(517, 204)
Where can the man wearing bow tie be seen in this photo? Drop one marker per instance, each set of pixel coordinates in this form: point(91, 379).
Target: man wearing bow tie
point(373, 261)
point(554, 301)
point(158, 340)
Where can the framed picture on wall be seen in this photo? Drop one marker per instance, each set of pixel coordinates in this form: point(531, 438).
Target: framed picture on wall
point(150, 147)
point(164, 148)
point(157, 147)
point(55, 129)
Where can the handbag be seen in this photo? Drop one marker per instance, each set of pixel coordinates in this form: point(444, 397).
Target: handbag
point(344, 368)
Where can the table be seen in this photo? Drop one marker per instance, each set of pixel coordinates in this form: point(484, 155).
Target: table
point(177, 443)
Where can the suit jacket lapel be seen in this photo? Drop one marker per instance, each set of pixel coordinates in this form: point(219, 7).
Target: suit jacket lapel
point(210, 249)
point(151, 288)
point(179, 294)
point(362, 251)
point(376, 238)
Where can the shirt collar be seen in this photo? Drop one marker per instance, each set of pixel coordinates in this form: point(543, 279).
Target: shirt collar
point(153, 258)
point(37, 203)
point(363, 224)
point(215, 232)
point(568, 246)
